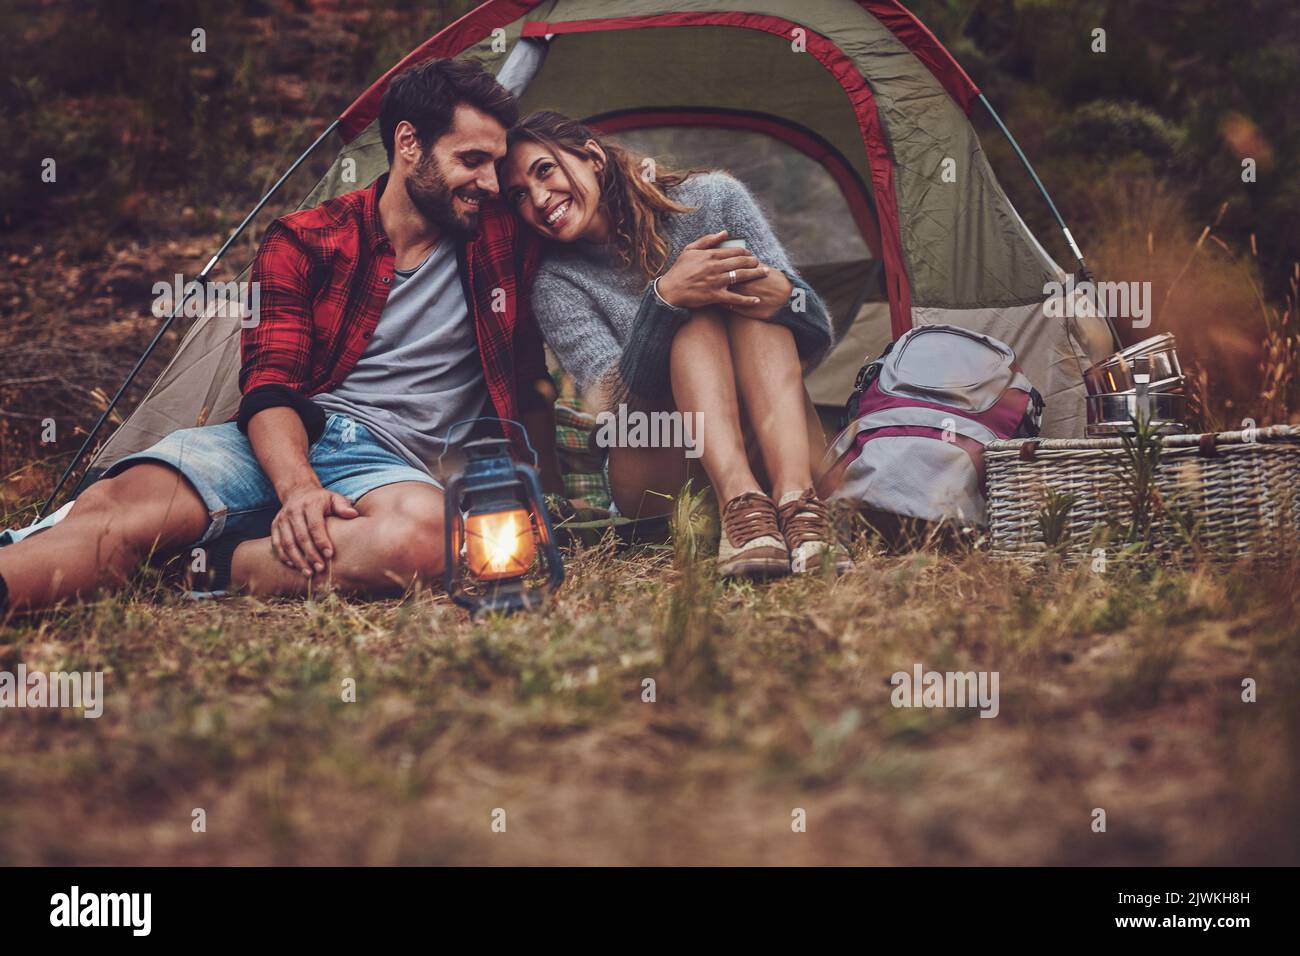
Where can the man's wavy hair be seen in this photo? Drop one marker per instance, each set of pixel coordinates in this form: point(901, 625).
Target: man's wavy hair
point(426, 96)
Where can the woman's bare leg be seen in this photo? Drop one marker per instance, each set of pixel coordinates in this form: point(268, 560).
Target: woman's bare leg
point(713, 353)
point(704, 380)
point(644, 481)
point(770, 381)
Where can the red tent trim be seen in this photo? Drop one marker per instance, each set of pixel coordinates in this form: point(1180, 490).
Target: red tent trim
point(483, 19)
point(855, 193)
point(925, 46)
point(452, 41)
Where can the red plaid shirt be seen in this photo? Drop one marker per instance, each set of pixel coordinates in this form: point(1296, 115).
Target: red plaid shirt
point(323, 277)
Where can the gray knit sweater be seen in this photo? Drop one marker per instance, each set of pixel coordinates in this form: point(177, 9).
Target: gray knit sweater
point(610, 331)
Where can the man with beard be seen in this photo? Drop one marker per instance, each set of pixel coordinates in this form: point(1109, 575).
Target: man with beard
point(387, 315)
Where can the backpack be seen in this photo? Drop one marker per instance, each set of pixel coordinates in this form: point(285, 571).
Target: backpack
point(918, 420)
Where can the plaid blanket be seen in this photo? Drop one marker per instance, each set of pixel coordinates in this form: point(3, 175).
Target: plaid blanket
point(581, 465)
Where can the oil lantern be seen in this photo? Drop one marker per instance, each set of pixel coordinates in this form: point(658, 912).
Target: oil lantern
point(497, 529)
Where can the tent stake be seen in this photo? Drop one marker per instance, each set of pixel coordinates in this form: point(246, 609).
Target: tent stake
point(1069, 238)
point(180, 307)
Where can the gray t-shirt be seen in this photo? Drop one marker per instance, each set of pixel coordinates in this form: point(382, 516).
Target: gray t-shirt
point(421, 372)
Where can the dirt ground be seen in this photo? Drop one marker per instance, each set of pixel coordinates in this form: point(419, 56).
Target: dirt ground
point(1121, 692)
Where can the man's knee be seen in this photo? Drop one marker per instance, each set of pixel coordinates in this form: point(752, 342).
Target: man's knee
point(144, 506)
point(408, 544)
point(104, 497)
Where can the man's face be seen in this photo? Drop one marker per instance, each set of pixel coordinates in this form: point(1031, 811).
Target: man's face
point(448, 182)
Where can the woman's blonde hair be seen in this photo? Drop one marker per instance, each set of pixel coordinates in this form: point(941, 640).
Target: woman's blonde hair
point(634, 202)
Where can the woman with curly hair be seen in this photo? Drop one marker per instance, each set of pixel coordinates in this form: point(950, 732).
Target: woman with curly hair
point(646, 304)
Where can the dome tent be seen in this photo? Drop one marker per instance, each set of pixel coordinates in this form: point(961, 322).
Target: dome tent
point(861, 93)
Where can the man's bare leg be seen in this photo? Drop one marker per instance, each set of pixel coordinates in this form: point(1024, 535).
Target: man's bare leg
point(396, 538)
point(115, 525)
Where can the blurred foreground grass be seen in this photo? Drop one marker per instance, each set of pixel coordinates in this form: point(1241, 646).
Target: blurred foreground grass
point(1120, 691)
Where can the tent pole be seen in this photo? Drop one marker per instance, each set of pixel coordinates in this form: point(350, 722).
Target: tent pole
point(1069, 238)
point(191, 287)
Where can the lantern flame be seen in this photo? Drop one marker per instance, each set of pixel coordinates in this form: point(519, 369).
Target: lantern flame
point(501, 544)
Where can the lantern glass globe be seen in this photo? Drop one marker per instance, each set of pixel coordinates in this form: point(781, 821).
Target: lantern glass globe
point(499, 544)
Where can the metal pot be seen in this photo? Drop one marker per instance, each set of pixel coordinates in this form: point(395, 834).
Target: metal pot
point(1174, 386)
point(1113, 412)
point(1116, 374)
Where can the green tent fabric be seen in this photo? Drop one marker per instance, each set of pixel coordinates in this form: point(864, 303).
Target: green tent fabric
point(906, 225)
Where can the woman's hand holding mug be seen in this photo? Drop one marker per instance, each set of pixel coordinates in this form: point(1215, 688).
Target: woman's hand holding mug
point(704, 273)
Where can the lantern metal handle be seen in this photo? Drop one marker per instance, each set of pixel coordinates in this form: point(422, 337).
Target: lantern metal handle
point(447, 445)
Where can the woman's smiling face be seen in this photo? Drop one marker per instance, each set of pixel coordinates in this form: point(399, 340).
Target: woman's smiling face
point(561, 206)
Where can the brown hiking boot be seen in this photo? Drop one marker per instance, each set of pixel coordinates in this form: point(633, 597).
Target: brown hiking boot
point(810, 534)
point(751, 542)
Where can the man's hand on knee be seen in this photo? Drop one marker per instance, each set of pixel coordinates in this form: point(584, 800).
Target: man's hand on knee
point(298, 534)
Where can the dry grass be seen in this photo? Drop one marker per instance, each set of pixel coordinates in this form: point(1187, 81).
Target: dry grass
point(1241, 350)
point(1121, 692)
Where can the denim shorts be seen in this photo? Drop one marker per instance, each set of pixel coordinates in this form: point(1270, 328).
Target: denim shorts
point(218, 461)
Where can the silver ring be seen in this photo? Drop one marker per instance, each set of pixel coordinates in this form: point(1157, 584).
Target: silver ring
point(731, 277)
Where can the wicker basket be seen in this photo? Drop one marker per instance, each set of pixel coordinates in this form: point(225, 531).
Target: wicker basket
point(1242, 487)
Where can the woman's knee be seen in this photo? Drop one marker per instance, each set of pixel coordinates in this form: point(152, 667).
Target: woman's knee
point(705, 324)
point(713, 314)
point(700, 345)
